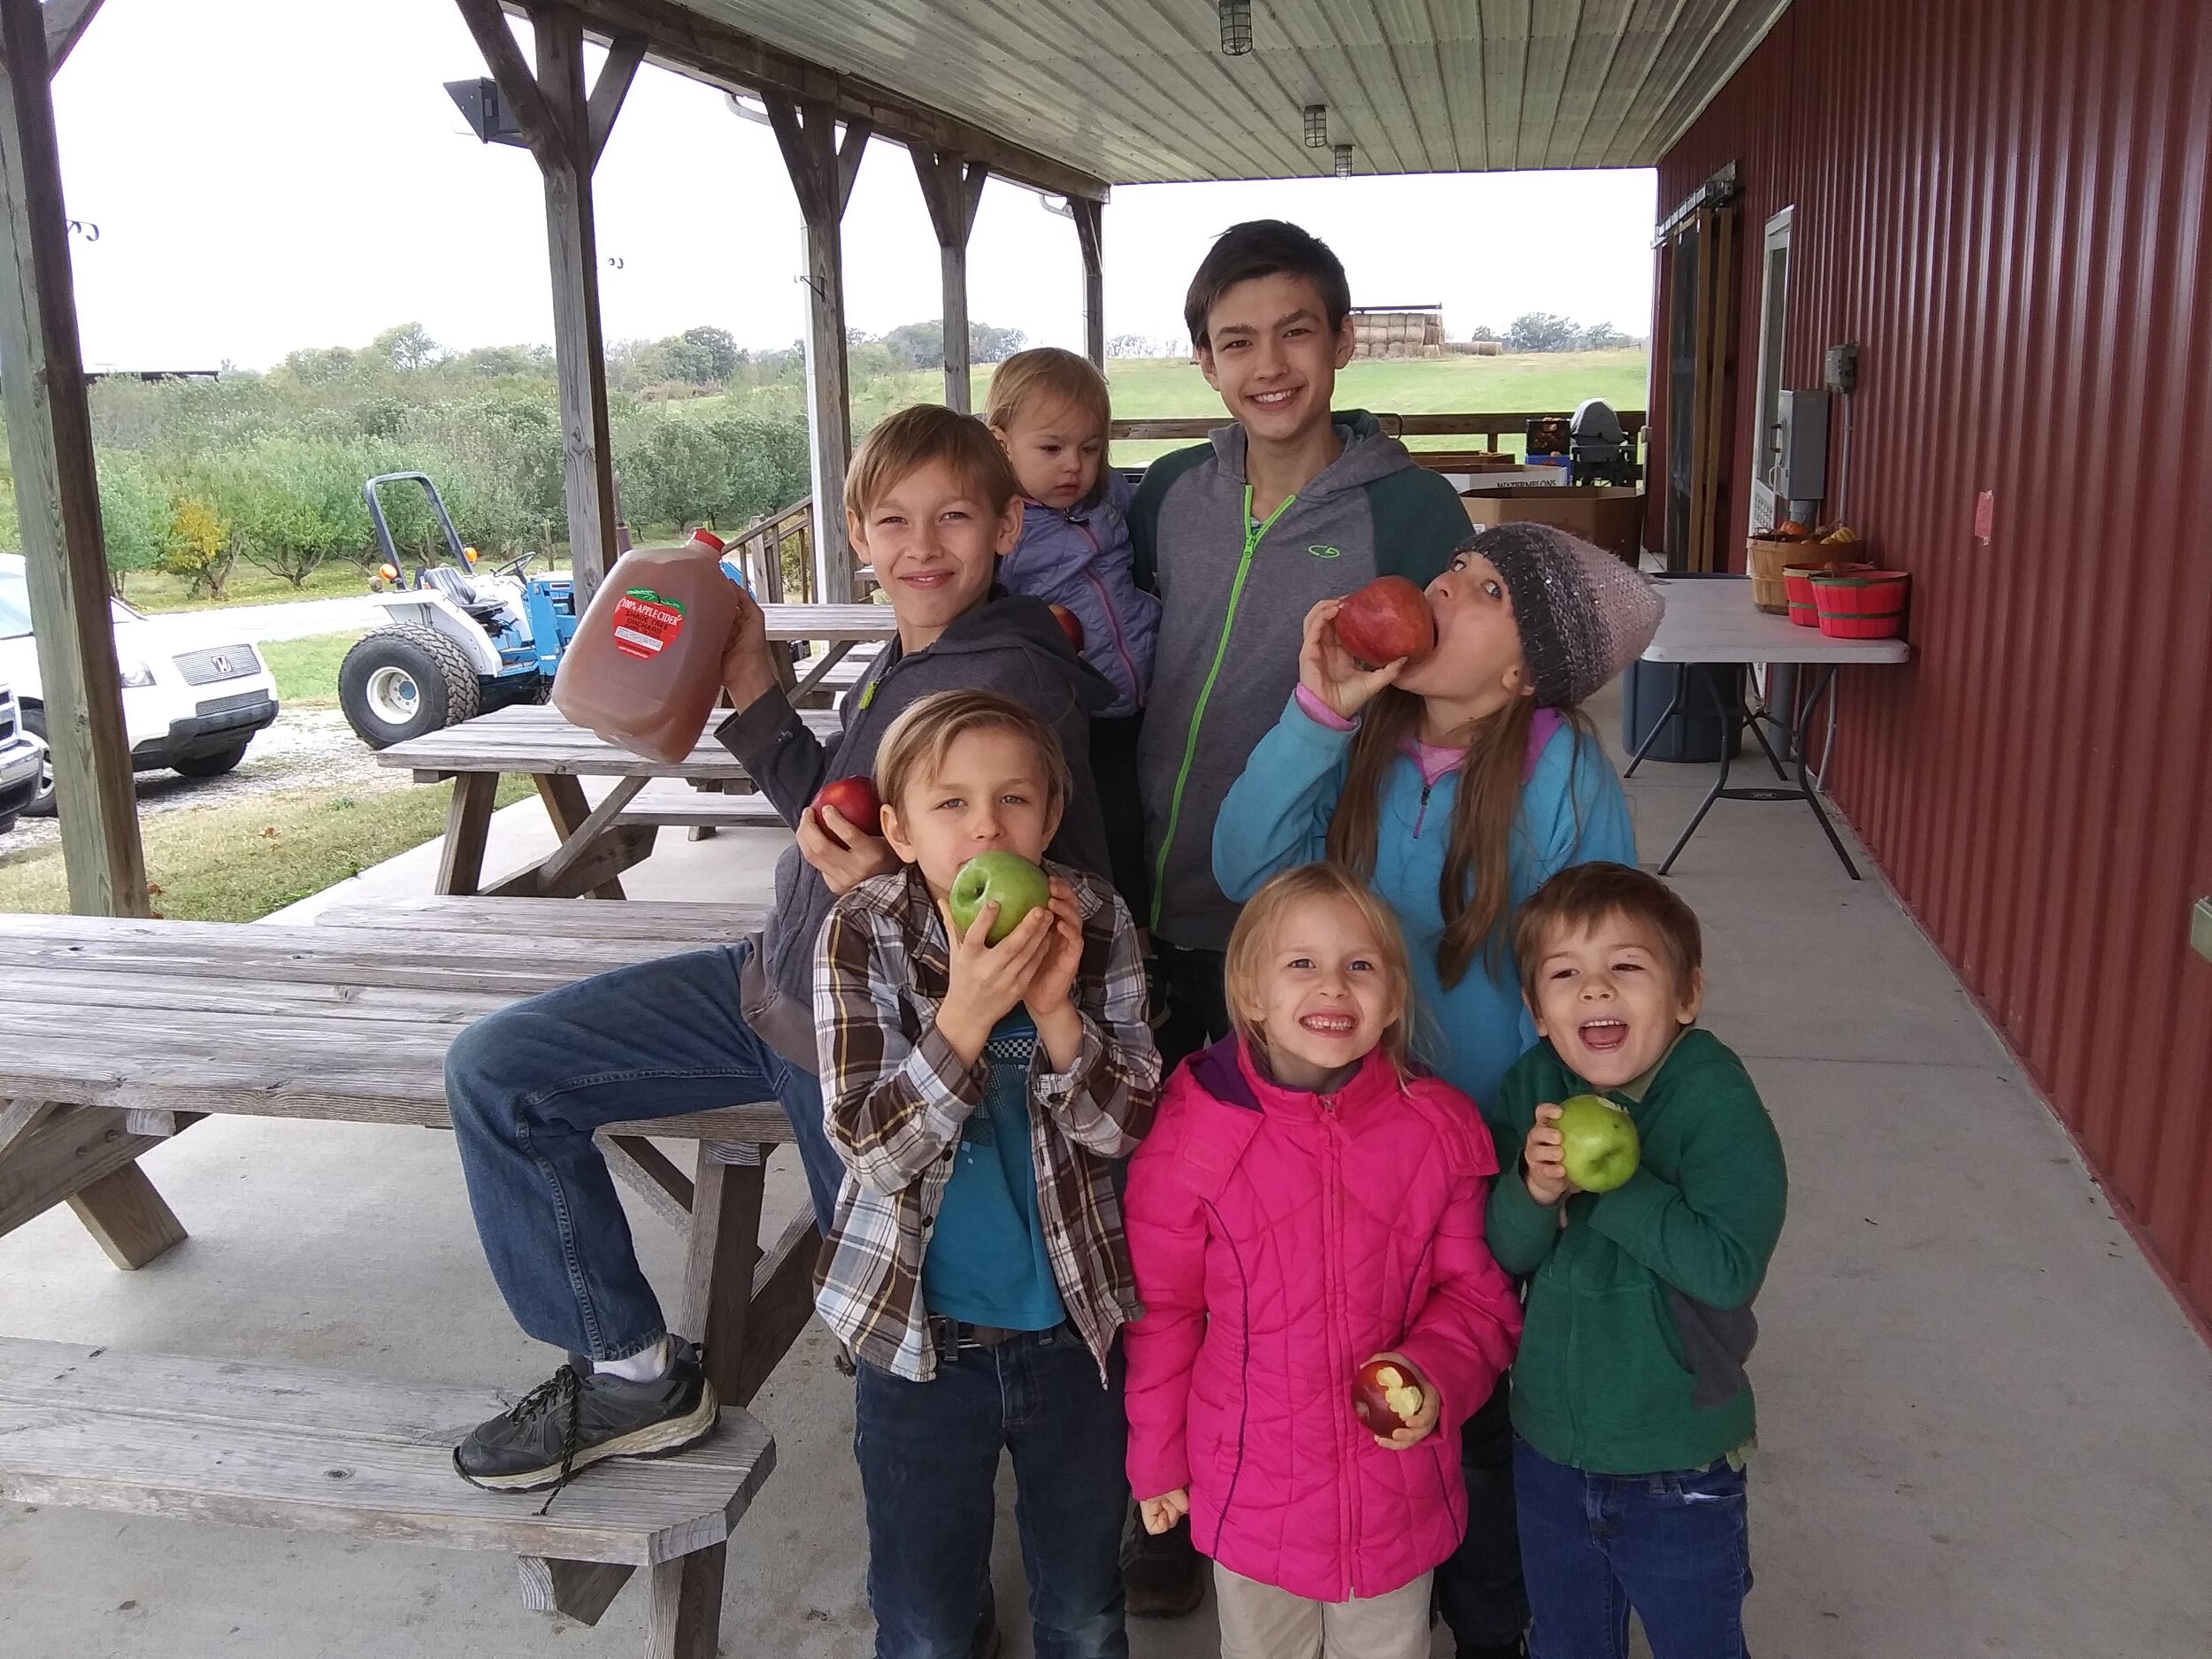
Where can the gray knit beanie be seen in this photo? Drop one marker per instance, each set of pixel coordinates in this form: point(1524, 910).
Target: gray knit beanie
point(1584, 615)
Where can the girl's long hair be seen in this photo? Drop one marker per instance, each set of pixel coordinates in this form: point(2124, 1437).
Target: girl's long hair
point(1474, 890)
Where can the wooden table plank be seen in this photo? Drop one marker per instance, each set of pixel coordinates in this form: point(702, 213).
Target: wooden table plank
point(830, 622)
point(335, 1451)
point(532, 739)
point(672, 923)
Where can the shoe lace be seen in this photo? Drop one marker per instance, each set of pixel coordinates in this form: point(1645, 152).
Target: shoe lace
point(563, 1391)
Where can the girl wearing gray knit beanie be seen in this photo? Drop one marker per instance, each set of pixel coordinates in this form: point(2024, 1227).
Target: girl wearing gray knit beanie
point(1456, 785)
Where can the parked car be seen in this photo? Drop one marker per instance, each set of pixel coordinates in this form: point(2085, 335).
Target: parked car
point(22, 762)
point(191, 709)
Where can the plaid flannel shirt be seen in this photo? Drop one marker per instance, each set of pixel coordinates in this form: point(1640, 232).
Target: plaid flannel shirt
point(895, 1096)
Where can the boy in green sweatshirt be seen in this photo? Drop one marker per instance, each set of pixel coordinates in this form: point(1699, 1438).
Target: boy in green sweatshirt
point(1632, 1412)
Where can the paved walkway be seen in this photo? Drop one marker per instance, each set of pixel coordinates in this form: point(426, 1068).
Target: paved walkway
point(1984, 1421)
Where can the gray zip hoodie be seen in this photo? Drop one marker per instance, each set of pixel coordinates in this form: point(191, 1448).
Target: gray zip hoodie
point(1010, 644)
point(1234, 603)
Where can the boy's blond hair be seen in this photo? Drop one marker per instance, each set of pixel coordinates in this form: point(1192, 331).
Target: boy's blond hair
point(1048, 371)
point(916, 745)
point(912, 438)
point(1581, 896)
point(1249, 941)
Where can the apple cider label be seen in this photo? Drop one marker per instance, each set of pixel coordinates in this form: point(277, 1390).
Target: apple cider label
point(644, 622)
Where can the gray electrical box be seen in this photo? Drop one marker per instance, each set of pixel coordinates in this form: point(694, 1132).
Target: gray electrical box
point(1802, 453)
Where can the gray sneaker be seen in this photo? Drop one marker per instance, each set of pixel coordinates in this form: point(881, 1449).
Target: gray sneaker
point(576, 1418)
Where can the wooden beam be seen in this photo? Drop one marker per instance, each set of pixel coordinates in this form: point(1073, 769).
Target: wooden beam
point(571, 238)
point(67, 21)
point(67, 1152)
point(128, 1218)
point(1089, 230)
point(623, 55)
point(567, 129)
point(952, 188)
point(822, 173)
point(57, 487)
point(702, 49)
point(581, 1590)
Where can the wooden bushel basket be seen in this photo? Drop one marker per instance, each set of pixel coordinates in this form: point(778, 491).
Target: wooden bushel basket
point(1861, 604)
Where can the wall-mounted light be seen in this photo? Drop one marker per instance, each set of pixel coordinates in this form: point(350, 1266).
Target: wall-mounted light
point(1317, 126)
point(1236, 27)
point(1343, 161)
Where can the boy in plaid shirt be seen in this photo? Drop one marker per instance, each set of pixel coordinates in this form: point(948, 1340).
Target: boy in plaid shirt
point(980, 1096)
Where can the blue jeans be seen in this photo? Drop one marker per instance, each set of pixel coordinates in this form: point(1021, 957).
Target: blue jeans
point(928, 1455)
point(1676, 1546)
point(527, 1085)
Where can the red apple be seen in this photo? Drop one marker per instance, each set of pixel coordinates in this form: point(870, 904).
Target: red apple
point(855, 800)
point(1386, 1394)
point(1385, 620)
point(1070, 624)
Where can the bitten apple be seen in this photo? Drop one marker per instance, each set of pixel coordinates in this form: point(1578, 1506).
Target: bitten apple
point(1385, 1396)
point(1006, 880)
point(1070, 624)
point(854, 800)
point(1385, 620)
point(1599, 1146)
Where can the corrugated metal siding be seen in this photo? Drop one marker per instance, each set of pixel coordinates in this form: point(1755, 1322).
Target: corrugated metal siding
point(1141, 92)
point(2005, 202)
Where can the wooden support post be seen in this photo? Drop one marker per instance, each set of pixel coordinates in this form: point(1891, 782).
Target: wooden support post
point(567, 129)
point(1089, 227)
point(822, 171)
point(952, 187)
point(56, 488)
point(128, 1216)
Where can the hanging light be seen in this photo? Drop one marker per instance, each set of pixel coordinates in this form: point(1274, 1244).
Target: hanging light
point(1236, 27)
point(1317, 126)
point(1343, 161)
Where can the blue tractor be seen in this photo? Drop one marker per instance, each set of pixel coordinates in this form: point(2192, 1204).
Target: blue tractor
point(456, 641)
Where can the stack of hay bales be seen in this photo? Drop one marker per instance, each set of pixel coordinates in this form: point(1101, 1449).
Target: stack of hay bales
point(1413, 332)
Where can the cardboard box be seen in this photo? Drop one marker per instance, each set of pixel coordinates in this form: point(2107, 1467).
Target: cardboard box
point(1609, 515)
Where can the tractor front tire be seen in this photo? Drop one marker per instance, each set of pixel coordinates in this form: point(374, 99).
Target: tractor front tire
point(401, 681)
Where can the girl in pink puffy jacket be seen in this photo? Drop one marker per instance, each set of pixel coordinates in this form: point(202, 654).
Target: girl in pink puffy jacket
point(1307, 1209)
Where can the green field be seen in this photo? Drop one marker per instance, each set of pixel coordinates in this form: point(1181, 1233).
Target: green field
point(1153, 387)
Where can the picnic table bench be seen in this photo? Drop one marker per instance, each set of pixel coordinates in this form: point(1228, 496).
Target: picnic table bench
point(124, 1031)
point(598, 841)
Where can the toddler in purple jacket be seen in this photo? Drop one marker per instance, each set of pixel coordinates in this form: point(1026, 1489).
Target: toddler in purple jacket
point(1050, 409)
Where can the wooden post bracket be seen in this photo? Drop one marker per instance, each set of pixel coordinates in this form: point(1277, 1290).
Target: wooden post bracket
point(952, 188)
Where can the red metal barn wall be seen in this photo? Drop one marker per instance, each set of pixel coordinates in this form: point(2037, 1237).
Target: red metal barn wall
point(2005, 202)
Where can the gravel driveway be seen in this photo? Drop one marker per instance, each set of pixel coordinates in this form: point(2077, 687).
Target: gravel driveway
point(306, 748)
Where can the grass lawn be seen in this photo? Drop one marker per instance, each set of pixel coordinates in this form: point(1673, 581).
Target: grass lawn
point(1159, 387)
point(239, 860)
point(306, 669)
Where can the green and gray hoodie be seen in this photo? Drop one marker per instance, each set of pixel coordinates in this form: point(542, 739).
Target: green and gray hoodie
point(1235, 593)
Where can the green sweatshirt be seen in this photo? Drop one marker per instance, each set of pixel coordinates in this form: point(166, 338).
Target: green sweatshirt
point(1610, 1359)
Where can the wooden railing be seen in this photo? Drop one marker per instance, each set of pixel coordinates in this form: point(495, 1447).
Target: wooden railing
point(1490, 424)
point(761, 547)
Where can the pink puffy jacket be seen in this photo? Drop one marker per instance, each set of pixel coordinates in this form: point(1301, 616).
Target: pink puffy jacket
point(1281, 1238)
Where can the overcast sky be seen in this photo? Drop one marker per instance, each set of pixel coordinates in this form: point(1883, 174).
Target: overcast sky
point(268, 174)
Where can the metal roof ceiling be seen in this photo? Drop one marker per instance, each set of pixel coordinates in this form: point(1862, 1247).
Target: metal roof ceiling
point(1138, 91)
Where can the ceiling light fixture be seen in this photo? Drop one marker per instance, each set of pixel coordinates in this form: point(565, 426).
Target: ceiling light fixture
point(1343, 161)
point(1317, 126)
point(1236, 27)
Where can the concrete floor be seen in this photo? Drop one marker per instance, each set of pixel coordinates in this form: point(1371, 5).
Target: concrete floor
point(1984, 1421)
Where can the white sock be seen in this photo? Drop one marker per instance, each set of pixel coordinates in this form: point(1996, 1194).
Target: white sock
point(647, 1366)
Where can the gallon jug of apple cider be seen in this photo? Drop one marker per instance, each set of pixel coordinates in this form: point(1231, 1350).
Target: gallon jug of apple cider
point(646, 662)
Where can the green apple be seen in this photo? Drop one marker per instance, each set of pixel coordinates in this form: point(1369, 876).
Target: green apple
point(1007, 879)
point(1600, 1149)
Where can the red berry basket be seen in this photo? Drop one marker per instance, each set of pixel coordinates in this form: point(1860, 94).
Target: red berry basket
point(1864, 604)
point(1797, 585)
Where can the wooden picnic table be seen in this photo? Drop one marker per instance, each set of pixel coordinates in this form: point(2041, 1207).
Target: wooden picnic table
point(121, 1031)
point(838, 627)
point(597, 842)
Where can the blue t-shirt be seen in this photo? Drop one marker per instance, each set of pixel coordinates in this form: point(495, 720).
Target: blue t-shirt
point(986, 1263)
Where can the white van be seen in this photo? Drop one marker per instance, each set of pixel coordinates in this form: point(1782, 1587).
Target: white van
point(192, 711)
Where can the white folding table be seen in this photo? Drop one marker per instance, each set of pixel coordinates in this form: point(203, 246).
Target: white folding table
point(1710, 620)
